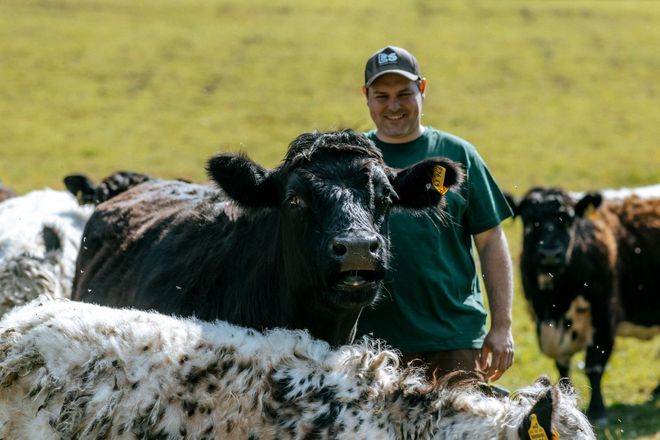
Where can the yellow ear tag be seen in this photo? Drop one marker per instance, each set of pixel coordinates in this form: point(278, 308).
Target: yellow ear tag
point(536, 431)
point(591, 212)
point(438, 179)
point(79, 197)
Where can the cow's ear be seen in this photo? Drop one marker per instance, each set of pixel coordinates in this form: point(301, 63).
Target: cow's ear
point(80, 186)
point(52, 240)
point(116, 184)
point(588, 203)
point(424, 184)
point(539, 419)
point(248, 183)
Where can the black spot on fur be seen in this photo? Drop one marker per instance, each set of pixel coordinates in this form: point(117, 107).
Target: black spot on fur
point(189, 407)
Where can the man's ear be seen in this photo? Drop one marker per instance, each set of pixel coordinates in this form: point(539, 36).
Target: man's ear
point(246, 182)
point(422, 86)
point(423, 185)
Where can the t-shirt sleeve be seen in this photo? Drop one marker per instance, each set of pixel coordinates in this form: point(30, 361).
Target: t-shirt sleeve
point(487, 206)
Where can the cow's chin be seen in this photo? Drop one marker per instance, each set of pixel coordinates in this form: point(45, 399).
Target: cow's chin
point(356, 287)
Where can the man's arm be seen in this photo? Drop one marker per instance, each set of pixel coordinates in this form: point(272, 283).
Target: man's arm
point(498, 279)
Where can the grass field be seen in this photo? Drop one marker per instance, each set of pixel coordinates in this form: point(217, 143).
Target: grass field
point(551, 92)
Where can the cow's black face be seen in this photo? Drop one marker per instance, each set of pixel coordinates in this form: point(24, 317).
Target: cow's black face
point(548, 217)
point(334, 227)
point(332, 195)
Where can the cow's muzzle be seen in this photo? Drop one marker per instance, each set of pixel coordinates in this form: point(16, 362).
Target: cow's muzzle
point(552, 257)
point(358, 258)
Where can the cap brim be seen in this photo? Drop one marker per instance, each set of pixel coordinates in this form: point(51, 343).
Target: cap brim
point(410, 76)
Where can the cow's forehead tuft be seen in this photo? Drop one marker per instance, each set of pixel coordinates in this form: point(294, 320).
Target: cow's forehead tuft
point(549, 197)
point(310, 146)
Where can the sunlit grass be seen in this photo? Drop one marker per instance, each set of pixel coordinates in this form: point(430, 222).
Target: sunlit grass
point(552, 92)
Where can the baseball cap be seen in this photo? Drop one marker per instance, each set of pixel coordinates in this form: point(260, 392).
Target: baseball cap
point(391, 59)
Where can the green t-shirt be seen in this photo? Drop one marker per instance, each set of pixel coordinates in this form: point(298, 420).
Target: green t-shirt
point(432, 299)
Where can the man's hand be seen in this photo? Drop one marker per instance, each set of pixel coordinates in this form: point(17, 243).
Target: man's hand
point(497, 352)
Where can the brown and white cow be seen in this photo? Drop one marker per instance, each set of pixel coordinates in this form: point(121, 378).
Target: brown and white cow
point(76, 370)
point(590, 271)
point(309, 250)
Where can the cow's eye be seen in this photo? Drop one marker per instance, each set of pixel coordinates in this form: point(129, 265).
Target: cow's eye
point(384, 198)
point(295, 202)
point(564, 217)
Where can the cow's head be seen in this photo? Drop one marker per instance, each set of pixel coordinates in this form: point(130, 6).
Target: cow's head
point(549, 216)
point(550, 219)
point(88, 192)
point(333, 194)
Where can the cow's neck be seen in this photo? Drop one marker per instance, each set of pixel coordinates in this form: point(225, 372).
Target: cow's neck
point(337, 327)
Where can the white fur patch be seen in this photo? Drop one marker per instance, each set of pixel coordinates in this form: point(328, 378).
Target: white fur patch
point(559, 342)
point(27, 270)
point(644, 192)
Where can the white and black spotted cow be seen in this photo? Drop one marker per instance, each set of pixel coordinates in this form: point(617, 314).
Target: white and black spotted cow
point(40, 235)
point(77, 370)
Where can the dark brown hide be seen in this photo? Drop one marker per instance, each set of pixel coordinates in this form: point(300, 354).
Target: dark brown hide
point(600, 266)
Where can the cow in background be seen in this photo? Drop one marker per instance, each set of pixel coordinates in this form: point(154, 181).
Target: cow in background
point(40, 234)
point(589, 270)
point(309, 249)
point(88, 192)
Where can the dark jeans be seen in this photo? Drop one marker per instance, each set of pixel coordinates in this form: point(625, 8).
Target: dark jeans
point(443, 362)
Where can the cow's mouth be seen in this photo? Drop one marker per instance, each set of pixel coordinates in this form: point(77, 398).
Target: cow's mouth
point(545, 280)
point(356, 279)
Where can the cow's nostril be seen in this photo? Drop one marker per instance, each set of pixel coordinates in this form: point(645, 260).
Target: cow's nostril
point(339, 249)
point(373, 247)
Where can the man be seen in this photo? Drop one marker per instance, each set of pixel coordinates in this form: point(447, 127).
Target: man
point(433, 309)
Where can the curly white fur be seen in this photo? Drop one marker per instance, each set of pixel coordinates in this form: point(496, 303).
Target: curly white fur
point(75, 370)
point(27, 268)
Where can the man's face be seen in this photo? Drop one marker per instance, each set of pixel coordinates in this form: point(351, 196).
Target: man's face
point(395, 105)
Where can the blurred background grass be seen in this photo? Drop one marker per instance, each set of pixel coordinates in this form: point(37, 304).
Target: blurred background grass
point(551, 92)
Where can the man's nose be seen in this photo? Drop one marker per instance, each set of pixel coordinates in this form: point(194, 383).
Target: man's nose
point(393, 104)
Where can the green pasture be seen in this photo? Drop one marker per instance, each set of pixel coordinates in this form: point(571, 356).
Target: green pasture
point(551, 92)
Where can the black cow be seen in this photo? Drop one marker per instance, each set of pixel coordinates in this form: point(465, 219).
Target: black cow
point(589, 271)
point(309, 250)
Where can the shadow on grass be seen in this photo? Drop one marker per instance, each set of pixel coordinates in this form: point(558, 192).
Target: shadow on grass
point(632, 421)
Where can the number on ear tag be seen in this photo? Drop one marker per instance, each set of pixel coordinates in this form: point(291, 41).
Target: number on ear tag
point(438, 179)
point(536, 431)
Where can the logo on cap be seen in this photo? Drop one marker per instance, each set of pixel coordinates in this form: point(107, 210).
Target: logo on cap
point(387, 58)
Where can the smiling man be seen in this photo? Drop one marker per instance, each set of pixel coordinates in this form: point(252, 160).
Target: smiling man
point(434, 309)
